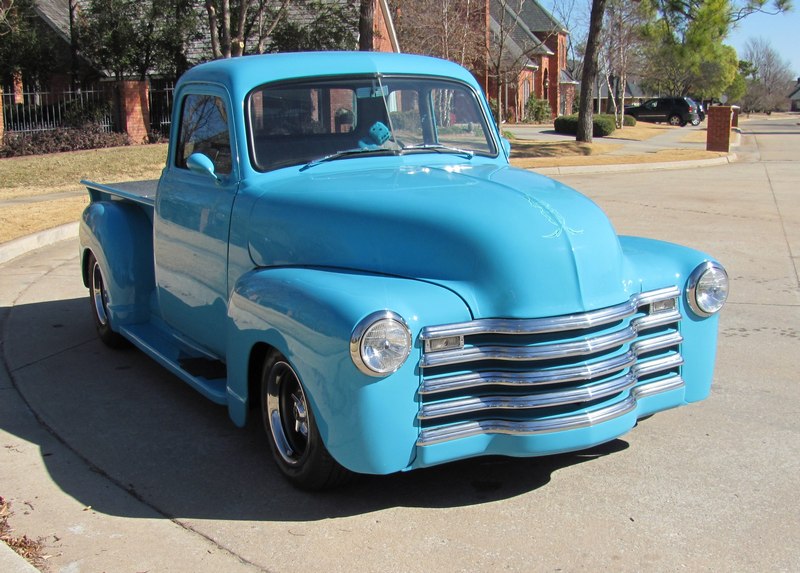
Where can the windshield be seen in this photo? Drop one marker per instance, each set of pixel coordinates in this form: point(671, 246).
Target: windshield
point(303, 122)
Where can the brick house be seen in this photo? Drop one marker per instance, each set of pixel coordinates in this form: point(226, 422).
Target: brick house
point(794, 97)
point(527, 56)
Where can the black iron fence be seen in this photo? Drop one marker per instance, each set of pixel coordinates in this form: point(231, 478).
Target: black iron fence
point(160, 100)
point(36, 111)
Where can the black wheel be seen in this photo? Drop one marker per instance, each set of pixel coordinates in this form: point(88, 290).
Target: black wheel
point(676, 120)
point(292, 431)
point(98, 298)
point(696, 121)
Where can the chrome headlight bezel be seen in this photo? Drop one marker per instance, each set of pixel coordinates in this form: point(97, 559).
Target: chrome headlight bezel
point(705, 301)
point(362, 351)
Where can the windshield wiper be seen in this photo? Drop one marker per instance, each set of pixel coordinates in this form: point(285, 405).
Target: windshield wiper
point(346, 153)
point(440, 149)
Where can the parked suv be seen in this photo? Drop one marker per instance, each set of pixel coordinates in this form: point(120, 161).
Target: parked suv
point(672, 110)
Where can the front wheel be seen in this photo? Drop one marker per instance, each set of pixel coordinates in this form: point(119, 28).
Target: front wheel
point(98, 297)
point(292, 431)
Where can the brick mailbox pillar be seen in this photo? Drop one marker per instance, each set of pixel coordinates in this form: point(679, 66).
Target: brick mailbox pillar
point(134, 109)
point(719, 128)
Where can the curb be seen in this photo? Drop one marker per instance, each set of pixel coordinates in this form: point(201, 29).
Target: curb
point(12, 562)
point(18, 247)
point(626, 167)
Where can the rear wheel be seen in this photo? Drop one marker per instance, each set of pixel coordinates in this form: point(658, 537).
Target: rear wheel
point(98, 297)
point(676, 120)
point(292, 431)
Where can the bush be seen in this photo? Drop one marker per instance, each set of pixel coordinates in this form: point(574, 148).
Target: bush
point(537, 110)
point(627, 120)
point(602, 125)
point(91, 136)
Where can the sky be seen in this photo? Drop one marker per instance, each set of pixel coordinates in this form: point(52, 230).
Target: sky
point(782, 31)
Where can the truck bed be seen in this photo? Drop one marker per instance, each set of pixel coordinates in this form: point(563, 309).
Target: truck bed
point(142, 192)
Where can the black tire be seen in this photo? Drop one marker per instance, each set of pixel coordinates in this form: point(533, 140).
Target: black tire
point(696, 122)
point(676, 120)
point(98, 300)
point(292, 431)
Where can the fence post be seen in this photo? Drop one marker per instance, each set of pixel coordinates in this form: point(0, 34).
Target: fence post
point(134, 113)
point(718, 137)
point(2, 118)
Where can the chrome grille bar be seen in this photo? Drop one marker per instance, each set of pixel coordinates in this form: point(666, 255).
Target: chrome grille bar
point(580, 373)
point(589, 345)
point(530, 427)
point(561, 397)
point(551, 324)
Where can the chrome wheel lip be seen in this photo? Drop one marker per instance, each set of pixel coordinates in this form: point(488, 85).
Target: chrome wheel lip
point(99, 295)
point(287, 413)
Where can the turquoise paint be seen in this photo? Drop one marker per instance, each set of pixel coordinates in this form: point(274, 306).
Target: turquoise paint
point(294, 258)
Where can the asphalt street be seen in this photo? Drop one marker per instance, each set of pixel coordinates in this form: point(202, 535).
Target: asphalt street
point(118, 466)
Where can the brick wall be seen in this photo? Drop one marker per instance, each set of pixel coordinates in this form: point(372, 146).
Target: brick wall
point(719, 128)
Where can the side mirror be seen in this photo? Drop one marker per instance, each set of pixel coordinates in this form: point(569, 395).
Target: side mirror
point(506, 146)
point(202, 165)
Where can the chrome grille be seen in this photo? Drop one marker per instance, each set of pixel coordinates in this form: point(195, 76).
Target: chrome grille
point(549, 374)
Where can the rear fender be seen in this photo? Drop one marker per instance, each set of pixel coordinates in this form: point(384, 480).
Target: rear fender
point(120, 235)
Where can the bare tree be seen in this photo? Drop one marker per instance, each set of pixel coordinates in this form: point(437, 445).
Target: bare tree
point(449, 29)
point(622, 44)
point(232, 23)
point(5, 11)
point(770, 79)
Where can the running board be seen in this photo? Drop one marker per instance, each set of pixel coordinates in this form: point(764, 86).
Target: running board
point(207, 376)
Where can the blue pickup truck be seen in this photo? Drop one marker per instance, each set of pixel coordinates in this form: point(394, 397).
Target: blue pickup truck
point(338, 244)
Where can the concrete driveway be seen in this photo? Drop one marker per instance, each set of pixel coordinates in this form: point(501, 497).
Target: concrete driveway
point(121, 467)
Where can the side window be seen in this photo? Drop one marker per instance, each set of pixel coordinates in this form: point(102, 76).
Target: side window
point(204, 129)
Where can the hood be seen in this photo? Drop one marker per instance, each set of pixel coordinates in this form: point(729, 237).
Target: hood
point(511, 243)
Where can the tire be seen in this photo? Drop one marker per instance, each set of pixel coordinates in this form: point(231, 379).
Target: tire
point(696, 122)
point(292, 432)
point(676, 120)
point(98, 300)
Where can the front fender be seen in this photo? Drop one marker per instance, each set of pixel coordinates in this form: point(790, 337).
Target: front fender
point(368, 424)
point(654, 264)
point(121, 237)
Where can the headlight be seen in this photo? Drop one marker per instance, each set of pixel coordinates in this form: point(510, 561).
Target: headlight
point(707, 289)
point(380, 343)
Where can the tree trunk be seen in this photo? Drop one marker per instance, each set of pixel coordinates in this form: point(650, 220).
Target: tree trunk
point(366, 19)
point(590, 71)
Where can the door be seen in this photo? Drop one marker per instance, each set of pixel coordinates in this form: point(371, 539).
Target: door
point(192, 221)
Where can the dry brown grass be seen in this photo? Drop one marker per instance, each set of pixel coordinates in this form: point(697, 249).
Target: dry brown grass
point(640, 132)
point(663, 156)
point(53, 183)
